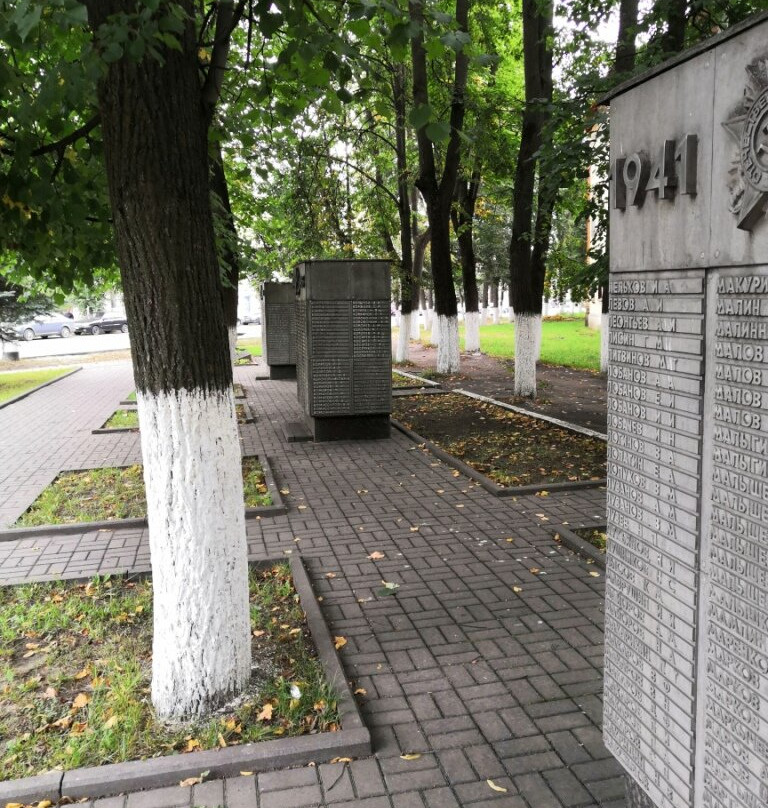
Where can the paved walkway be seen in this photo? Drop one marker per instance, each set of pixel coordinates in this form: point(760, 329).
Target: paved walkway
point(484, 681)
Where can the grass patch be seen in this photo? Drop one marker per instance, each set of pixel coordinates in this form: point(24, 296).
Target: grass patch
point(123, 419)
point(510, 448)
point(75, 662)
point(253, 346)
point(131, 396)
point(563, 342)
point(17, 382)
point(596, 536)
point(104, 494)
point(129, 419)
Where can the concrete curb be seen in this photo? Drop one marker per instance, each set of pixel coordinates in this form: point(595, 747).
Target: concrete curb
point(486, 482)
point(590, 433)
point(581, 546)
point(353, 740)
point(277, 507)
point(422, 382)
point(39, 387)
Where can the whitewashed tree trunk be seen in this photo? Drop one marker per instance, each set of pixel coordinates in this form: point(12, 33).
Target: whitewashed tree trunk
point(435, 335)
point(605, 341)
point(232, 334)
point(448, 344)
point(472, 331)
point(527, 333)
point(538, 339)
point(403, 337)
point(415, 329)
point(201, 653)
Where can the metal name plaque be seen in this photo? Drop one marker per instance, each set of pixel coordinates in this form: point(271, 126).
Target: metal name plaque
point(733, 655)
point(655, 387)
point(686, 612)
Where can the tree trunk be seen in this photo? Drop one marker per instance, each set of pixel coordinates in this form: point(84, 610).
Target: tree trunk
point(407, 282)
point(438, 193)
point(155, 143)
point(675, 13)
point(463, 216)
point(526, 283)
point(626, 49)
point(228, 248)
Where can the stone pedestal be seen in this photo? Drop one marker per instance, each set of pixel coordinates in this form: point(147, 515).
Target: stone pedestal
point(343, 345)
point(686, 634)
point(279, 329)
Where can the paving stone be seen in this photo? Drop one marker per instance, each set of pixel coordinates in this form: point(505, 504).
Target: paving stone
point(485, 685)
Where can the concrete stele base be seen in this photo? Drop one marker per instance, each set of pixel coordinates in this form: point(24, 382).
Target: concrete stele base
point(282, 372)
point(358, 427)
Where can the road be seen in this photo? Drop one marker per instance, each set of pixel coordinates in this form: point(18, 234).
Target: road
point(89, 344)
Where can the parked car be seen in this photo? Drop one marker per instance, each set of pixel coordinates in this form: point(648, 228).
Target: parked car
point(250, 319)
point(45, 325)
point(105, 323)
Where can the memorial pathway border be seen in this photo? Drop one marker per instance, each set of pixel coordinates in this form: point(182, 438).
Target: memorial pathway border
point(23, 395)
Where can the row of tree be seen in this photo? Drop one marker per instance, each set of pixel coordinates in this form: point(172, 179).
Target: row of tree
point(133, 133)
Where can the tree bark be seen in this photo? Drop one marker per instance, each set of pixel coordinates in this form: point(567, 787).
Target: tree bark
point(438, 192)
point(463, 216)
point(154, 129)
point(228, 252)
point(526, 282)
point(626, 49)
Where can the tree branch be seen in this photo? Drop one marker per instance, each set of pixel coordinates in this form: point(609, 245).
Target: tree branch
point(71, 138)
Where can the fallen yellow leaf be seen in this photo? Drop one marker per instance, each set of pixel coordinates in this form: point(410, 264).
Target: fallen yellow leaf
point(222, 742)
point(495, 787)
point(341, 760)
point(330, 574)
point(517, 589)
point(111, 722)
point(376, 555)
point(83, 673)
point(594, 574)
point(410, 756)
point(79, 727)
point(361, 691)
point(81, 699)
point(266, 713)
point(44, 804)
point(245, 774)
point(259, 633)
point(191, 781)
point(415, 529)
point(192, 744)
point(339, 642)
point(535, 570)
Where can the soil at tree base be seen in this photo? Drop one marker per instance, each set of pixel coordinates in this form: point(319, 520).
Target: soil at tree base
point(574, 395)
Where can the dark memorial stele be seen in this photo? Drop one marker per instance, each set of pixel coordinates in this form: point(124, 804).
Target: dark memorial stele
point(343, 348)
point(686, 611)
point(279, 329)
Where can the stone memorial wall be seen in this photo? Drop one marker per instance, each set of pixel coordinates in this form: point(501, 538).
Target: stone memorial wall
point(686, 614)
point(279, 328)
point(344, 355)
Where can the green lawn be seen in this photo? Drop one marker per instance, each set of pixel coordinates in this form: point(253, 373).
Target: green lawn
point(563, 342)
point(253, 346)
point(15, 383)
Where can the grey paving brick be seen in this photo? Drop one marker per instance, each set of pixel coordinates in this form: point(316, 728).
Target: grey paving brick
point(484, 684)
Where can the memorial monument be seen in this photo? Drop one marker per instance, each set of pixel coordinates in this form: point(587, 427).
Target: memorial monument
point(344, 348)
point(279, 329)
point(686, 612)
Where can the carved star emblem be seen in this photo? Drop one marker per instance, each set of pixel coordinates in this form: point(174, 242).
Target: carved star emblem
point(748, 126)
